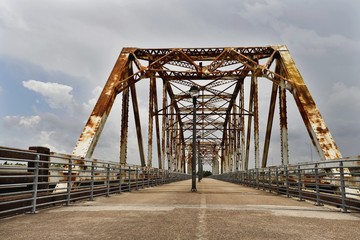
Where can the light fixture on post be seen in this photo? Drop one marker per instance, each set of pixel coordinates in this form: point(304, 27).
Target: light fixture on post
point(194, 93)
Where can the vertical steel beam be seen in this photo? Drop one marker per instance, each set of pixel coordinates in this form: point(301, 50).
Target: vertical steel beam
point(233, 132)
point(168, 143)
point(283, 124)
point(230, 146)
point(124, 126)
point(215, 164)
point(199, 159)
point(248, 137)
point(157, 125)
point(189, 162)
point(222, 160)
point(150, 122)
point(224, 152)
point(193, 162)
point(137, 124)
point(242, 125)
point(183, 170)
point(177, 156)
point(164, 124)
point(256, 120)
point(171, 138)
point(269, 125)
point(236, 138)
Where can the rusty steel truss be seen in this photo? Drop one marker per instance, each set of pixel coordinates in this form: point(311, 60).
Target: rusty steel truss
point(227, 123)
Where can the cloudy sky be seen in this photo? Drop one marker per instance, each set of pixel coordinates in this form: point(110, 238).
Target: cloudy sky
point(55, 56)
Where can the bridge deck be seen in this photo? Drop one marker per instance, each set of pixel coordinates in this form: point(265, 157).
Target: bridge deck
point(219, 210)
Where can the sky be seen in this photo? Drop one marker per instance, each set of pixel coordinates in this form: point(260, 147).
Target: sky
point(55, 57)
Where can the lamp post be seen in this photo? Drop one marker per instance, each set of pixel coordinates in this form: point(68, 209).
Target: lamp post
point(194, 92)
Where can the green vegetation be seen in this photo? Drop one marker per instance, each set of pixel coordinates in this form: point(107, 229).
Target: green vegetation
point(207, 173)
point(10, 164)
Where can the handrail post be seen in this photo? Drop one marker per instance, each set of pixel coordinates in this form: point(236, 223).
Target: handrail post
point(120, 177)
point(92, 181)
point(317, 180)
point(342, 188)
point(247, 178)
point(277, 179)
point(148, 175)
point(129, 179)
point(287, 180)
point(157, 177)
point(263, 178)
point(35, 183)
point(257, 179)
point(108, 180)
point(299, 183)
point(269, 180)
point(69, 182)
point(143, 177)
point(253, 180)
point(136, 178)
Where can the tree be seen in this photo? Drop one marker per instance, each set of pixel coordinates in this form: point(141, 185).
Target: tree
point(207, 173)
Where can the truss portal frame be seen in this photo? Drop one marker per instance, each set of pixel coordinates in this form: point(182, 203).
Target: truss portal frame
point(227, 123)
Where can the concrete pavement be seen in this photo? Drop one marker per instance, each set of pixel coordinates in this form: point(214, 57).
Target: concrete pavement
point(218, 210)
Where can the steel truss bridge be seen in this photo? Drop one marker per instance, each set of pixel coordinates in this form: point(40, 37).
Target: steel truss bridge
point(226, 128)
point(227, 108)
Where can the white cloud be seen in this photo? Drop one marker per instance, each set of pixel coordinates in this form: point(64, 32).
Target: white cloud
point(91, 102)
point(45, 135)
point(57, 95)
point(30, 121)
point(22, 120)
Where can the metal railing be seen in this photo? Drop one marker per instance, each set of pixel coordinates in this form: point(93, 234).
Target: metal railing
point(36, 180)
point(335, 182)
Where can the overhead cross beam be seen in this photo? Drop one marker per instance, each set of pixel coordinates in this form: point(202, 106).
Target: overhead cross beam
point(228, 117)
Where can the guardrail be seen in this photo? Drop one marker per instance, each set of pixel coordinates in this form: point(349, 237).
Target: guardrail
point(335, 182)
point(30, 180)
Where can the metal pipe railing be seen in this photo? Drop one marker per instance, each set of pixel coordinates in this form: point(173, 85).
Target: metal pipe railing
point(28, 183)
point(333, 182)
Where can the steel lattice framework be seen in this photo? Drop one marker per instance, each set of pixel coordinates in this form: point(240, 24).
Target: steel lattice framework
point(227, 123)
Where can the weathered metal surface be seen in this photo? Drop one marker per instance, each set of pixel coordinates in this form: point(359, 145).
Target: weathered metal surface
point(315, 124)
point(124, 126)
point(164, 126)
point(151, 121)
point(284, 144)
point(256, 121)
point(222, 110)
point(87, 141)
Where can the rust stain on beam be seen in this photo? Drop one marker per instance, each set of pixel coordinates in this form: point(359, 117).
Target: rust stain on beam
point(314, 122)
point(124, 126)
point(87, 141)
